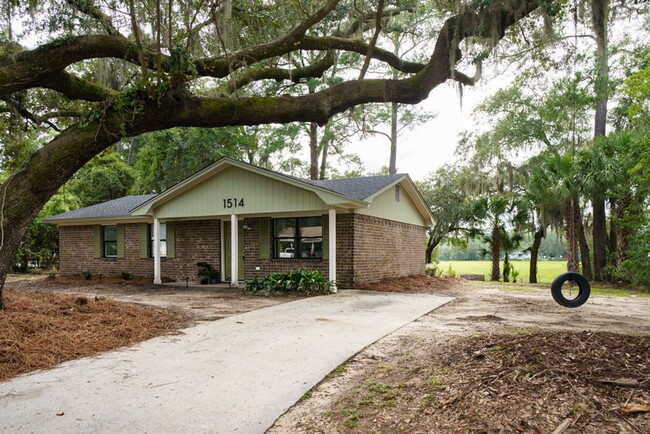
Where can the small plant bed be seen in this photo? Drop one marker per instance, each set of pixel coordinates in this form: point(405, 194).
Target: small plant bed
point(39, 330)
point(301, 281)
point(417, 283)
point(523, 383)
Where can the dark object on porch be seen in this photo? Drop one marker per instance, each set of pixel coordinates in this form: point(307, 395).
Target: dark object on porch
point(473, 276)
point(584, 289)
point(207, 274)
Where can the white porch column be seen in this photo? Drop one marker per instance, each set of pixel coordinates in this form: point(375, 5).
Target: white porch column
point(234, 248)
point(156, 252)
point(223, 253)
point(332, 247)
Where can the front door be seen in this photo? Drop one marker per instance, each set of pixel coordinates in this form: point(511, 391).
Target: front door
point(228, 251)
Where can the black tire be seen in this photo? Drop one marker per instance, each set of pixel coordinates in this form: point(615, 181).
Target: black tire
point(584, 289)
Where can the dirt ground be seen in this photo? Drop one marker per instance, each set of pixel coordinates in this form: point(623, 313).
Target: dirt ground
point(497, 359)
point(494, 361)
point(204, 302)
point(47, 322)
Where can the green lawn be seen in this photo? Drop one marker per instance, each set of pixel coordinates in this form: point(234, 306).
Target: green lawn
point(546, 270)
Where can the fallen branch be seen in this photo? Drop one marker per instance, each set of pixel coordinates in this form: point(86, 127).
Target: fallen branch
point(621, 382)
point(562, 427)
point(635, 408)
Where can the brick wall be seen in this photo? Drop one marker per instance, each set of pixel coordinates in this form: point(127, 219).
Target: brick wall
point(196, 241)
point(368, 249)
point(252, 257)
point(386, 248)
point(345, 249)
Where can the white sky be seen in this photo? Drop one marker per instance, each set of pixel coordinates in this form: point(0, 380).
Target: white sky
point(433, 144)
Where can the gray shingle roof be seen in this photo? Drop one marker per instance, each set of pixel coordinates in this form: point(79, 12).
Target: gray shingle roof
point(113, 208)
point(357, 188)
point(353, 188)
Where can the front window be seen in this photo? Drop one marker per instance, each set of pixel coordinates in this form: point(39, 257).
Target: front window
point(298, 238)
point(163, 240)
point(109, 240)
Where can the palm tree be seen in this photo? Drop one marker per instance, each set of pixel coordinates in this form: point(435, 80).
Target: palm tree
point(552, 189)
point(494, 208)
point(510, 241)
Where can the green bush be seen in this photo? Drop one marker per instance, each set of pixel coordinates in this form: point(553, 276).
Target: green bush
point(87, 275)
point(301, 281)
point(126, 276)
point(433, 269)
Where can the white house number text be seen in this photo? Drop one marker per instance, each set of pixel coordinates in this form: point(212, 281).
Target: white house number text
point(233, 203)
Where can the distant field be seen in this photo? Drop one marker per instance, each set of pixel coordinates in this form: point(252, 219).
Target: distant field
point(546, 270)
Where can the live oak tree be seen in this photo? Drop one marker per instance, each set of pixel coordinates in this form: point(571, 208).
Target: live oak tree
point(193, 63)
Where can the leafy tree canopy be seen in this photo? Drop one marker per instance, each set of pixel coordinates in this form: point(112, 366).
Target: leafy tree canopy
point(86, 74)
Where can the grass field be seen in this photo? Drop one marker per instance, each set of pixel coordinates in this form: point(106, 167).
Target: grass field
point(546, 270)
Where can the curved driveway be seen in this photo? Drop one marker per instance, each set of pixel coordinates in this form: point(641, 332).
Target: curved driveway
point(236, 375)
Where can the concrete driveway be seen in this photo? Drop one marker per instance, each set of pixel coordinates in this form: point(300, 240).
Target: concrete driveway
point(236, 375)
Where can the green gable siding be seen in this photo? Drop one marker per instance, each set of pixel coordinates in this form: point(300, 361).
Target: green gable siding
point(260, 194)
point(385, 206)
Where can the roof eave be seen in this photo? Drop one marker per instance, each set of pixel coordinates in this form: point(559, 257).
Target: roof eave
point(419, 201)
point(96, 220)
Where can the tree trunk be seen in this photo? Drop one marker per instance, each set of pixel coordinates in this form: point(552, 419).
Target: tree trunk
point(313, 150)
point(432, 243)
point(495, 248)
point(571, 238)
point(600, 239)
point(584, 247)
point(506, 269)
point(225, 32)
point(392, 167)
point(612, 241)
point(534, 253)
point(600, 16)
point(323, 160)
point(392, 163)
point(129, 160)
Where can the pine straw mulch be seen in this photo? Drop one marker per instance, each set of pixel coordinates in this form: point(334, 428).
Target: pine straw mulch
point(39, 330)
point(586, 382)
point(416, 283)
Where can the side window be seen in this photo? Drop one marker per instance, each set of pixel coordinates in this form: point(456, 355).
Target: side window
point(109, 240)
point(163, 240)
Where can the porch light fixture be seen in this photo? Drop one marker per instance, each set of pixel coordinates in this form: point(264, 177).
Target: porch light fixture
point(247, 227)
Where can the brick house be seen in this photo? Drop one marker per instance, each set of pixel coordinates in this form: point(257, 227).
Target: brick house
point(355, 231)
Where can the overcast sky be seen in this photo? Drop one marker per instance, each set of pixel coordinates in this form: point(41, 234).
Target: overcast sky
point(429, 146)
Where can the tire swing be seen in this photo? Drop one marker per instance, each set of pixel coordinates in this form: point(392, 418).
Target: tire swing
point(584, 289)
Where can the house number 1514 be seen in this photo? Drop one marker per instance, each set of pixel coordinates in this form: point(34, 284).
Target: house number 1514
point(233, 203)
